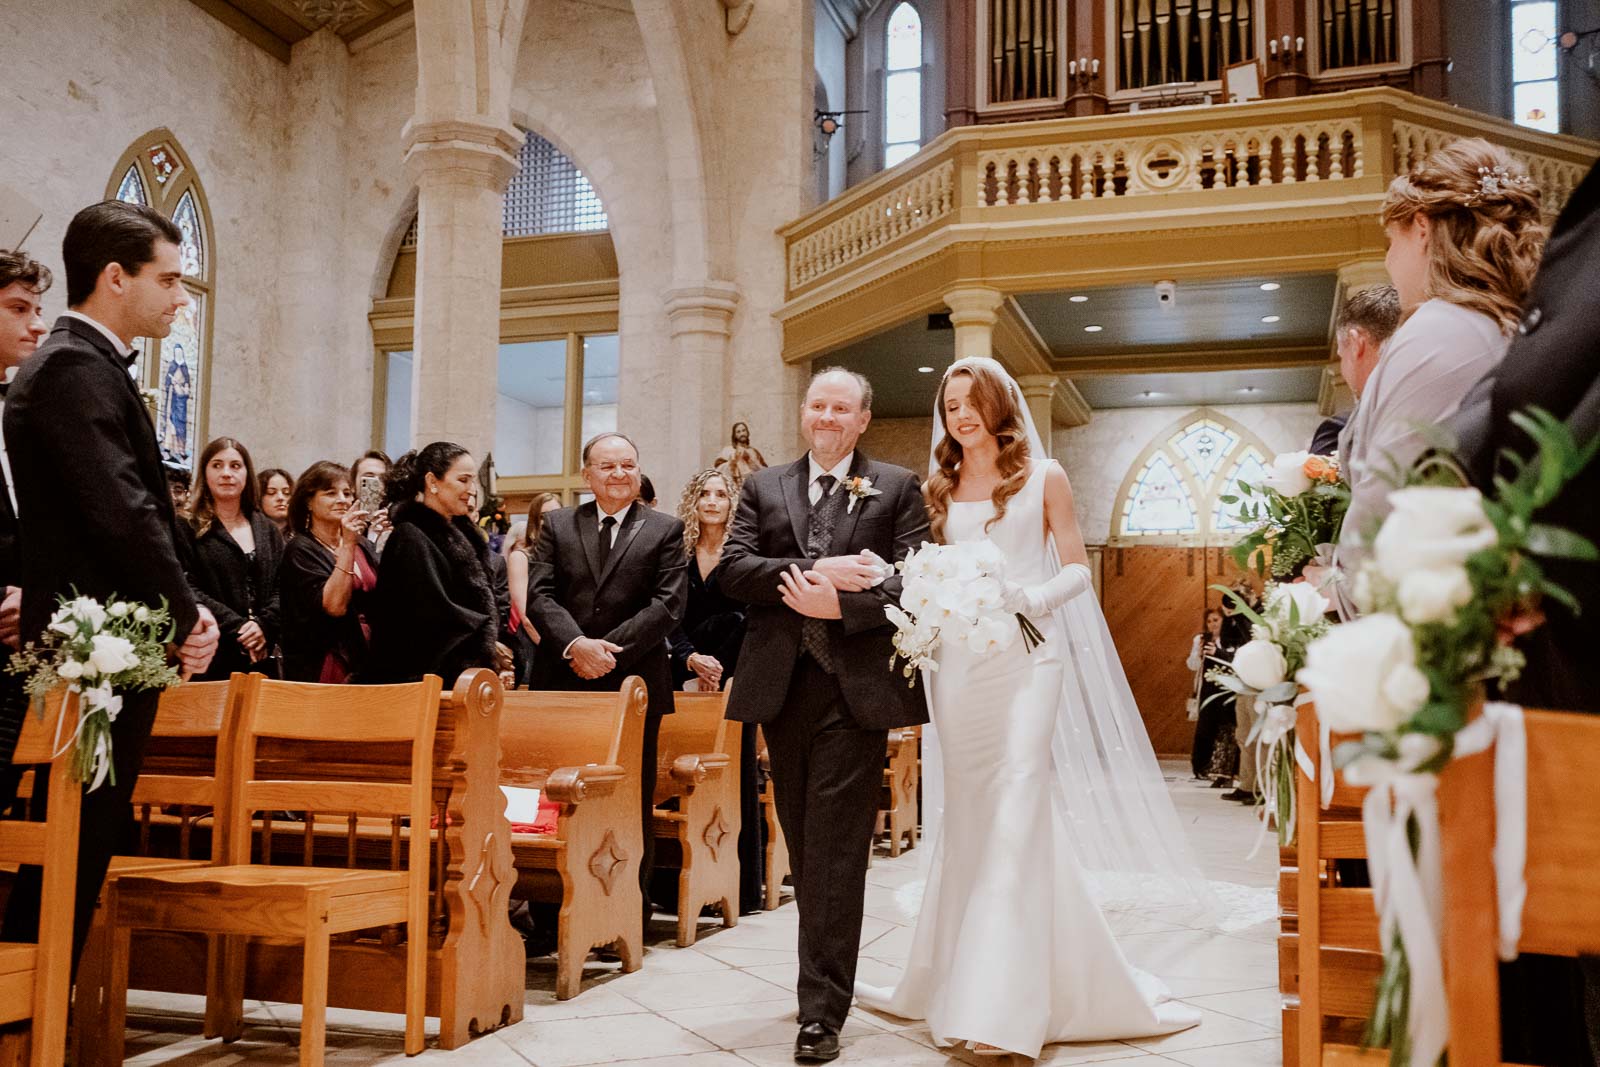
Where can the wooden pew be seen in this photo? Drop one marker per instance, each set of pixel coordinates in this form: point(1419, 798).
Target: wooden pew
point(1559, 917)
point(1289, 951)
point(476, 965)
point(1338, 958)
point(35, 979)
point(585, 752)
point(776, 860)
point(699, 770)
point(903, 768)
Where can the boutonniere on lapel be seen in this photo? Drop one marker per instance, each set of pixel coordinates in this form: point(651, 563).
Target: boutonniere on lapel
point(859, 489)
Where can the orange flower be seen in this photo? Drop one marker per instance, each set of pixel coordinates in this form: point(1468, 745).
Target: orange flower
point(1321, 469)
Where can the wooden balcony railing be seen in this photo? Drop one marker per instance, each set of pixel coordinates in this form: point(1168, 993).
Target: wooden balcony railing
point(1339, 146)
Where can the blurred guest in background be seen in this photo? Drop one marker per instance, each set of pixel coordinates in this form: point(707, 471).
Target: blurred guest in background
point(237, 550)
point(522, 628)
point(274, 485)
point(326, 581)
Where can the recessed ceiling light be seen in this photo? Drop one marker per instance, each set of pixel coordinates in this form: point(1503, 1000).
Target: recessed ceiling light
point(1079, 299)
point(1149, 394)
point(1270, 318)
point(1093, 329)
point(1270, 287)
point(924, 370)
point(1248, 389)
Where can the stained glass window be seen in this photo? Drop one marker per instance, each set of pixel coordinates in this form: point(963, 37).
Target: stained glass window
point(1535, 88)
point(902, 124)
point(163, 162)
point(131, 190)
point(1176, 490)
point(177, 394)
point(193, 249)
point(1160, 503)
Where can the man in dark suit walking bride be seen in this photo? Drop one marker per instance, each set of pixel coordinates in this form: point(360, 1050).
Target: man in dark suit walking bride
point(805, 551)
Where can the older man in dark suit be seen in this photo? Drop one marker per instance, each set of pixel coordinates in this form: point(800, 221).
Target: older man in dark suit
point(607, 585)
point(804, 550)
point(92, 498)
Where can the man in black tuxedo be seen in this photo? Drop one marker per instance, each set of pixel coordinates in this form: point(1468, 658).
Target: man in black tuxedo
point(1553, 363)
point(92, 495)
point(607, 585)
point(23, 282)
point(815, 670)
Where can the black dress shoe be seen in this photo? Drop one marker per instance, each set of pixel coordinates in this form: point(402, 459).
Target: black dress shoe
point(816, 1044)
point(1241, 796)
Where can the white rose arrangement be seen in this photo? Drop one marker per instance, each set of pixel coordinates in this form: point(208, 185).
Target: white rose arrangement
point(98, 651)
point(1454, 578)
point(953, 592)
point(1294, 514)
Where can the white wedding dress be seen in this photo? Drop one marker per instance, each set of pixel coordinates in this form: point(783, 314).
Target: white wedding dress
point(1010, 948)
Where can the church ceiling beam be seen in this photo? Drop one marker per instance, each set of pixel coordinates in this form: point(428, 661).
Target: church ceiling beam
point(1169, 360)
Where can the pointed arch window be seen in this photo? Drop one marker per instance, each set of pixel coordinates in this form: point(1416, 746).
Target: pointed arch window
point(902, 85)
point(1174, 490)
point(175, 370)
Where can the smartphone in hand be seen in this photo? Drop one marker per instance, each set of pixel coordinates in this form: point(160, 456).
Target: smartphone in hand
point(369, 494)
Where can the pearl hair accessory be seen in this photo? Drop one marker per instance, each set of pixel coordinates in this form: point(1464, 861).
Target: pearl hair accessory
point(1493, 182)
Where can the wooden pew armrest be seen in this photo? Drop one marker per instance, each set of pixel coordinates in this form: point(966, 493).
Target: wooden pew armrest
point(573, 785)
point(690, 770)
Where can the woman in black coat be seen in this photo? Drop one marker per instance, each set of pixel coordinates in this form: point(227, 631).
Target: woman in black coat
point(705, 651)
point(434, 608)
point(237, 550)
point(326, 582)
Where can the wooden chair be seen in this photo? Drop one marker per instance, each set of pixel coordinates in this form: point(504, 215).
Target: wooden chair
point(305, 903)
point(902, 770)
point(776, 860)
point(585, 752)
point(1338, 955)
point(35, 980)
point(699, 770)
point(1559, 917)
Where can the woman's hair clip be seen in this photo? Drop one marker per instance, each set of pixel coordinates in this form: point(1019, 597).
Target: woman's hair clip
point(1492, 182)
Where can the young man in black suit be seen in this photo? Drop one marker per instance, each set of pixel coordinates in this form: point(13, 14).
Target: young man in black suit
point(92, 496)
point(815, 670)
point(23, 282)
point(607, 585)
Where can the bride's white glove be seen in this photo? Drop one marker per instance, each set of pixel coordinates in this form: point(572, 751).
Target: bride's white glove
point(1036, 600)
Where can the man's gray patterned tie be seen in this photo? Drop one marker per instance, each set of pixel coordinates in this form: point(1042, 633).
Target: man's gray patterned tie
point(824, 516)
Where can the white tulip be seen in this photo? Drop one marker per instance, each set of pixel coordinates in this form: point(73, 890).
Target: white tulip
point(1433, 595)
point(1310, 604)
point(1287, 474)
point(119, 610)
point(141, 614)
point(1363, 675)
point(1260, 664)
point(1429, 528)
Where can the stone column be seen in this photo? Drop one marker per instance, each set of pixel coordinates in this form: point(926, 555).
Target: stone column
point(1039, 390)
point(1361, 273)
point(700, 319)
point(461, 169)
point(973, 312)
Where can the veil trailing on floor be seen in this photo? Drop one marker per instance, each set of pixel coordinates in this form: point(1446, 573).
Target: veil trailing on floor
point(1120, 814)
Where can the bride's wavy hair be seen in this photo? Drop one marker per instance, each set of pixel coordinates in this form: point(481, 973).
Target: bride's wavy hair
point(1002, 416)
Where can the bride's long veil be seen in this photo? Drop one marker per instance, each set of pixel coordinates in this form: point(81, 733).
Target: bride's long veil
point(1120, 816)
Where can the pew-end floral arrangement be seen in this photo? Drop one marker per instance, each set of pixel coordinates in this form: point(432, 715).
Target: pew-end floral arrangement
point(98, 651)
point(1453, 580)
point(1294, 515)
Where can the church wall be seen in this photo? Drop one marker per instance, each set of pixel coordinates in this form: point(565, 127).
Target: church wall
point(85, 79)
point(1097, 456)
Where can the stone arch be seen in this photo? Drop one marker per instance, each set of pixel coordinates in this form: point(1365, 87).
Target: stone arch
point(1198, 484)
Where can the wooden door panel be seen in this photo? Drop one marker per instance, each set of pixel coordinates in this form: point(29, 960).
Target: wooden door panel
point(1154, 597)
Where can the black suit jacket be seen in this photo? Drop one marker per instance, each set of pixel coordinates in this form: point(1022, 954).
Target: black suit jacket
point(767, 535)
point(91, 492)
point(636, 601)
point(237, 589)
point(1554, 363)
point(1325, 442)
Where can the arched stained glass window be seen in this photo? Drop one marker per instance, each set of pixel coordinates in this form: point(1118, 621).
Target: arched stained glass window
point(902, 85)
point(155, 172)
point(1175, 487)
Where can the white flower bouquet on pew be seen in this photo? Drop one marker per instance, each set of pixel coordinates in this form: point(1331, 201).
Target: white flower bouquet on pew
point(98, 651)
point(1292, 615)
point(1454, 579)
point(954, 592)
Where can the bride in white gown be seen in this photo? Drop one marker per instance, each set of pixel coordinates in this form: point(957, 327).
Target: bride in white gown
point(1046, 768)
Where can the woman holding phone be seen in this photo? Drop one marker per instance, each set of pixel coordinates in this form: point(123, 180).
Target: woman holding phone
point(325, 584)
point(367, 476)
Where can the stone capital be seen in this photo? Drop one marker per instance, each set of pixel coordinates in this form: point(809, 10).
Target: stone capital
point(974, 305)
point(706, 308)
point(461, 152)
point(1361, 273)
point(1039, 386)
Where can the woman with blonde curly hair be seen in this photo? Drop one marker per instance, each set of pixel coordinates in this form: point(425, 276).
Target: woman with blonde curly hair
point(1465, 236)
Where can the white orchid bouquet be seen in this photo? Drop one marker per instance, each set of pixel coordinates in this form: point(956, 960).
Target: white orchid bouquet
point(98, 651)
point(1292, 615)
point(1453, 580)
point(954, 592)
point(1294, 514)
